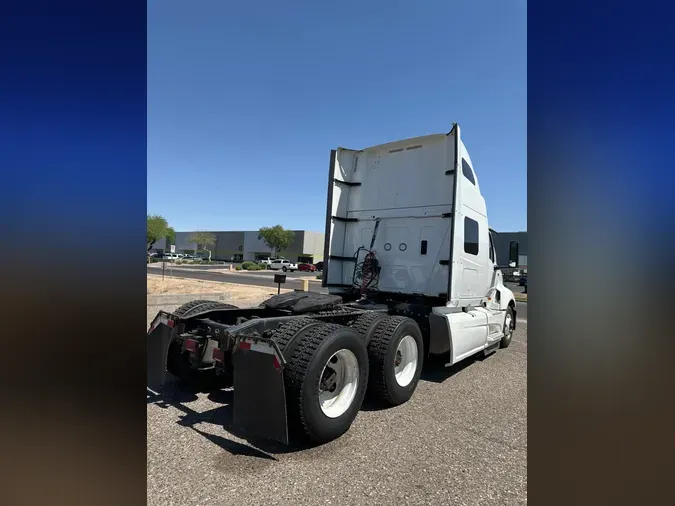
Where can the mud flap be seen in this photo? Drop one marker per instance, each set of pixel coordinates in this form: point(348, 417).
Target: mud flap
point(157, 350)
point(259, 395)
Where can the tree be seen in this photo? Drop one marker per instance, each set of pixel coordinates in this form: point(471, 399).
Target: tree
point(276, 237)
point(158, 228)
point(204, 240)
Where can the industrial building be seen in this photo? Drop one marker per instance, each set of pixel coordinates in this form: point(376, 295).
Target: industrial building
point(502, 241)
point(307, 247)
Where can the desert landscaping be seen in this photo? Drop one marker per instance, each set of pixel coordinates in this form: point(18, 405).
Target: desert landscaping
point(231, 293)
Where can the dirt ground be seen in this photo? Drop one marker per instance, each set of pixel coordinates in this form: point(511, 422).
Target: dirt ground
point(239, 295)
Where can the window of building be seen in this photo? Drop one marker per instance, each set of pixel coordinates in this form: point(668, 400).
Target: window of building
point(470, 236)
point(468, 173)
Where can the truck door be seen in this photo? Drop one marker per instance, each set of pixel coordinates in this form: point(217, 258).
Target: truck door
point(471, 270)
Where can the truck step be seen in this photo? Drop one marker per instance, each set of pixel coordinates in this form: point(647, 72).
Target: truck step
point(495, 337)
point(491, 349)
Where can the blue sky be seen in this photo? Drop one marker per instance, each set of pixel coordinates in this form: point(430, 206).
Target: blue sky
point(246, 100)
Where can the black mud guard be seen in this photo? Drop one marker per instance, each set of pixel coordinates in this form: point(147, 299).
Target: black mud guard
point(259, 395)
point(157, 350)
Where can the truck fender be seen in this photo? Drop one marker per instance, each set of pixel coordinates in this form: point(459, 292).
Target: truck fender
point(439, 335)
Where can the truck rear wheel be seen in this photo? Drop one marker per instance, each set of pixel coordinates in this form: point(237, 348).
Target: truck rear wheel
point(367, 324)
point(197, 306)
point(326, 380)
point(396, 354)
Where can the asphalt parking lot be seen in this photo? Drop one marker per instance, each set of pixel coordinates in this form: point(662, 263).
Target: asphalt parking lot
point(461, 439)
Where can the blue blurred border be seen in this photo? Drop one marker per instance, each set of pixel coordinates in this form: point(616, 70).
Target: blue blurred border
point(601, 219)
point(73, 122)
point(73, 201)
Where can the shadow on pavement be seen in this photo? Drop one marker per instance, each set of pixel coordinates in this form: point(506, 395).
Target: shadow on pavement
point(177, 396)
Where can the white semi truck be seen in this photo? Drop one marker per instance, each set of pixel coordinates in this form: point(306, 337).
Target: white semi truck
point(410, 270)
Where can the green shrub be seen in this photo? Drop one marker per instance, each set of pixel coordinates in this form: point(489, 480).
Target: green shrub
point(238, 267)
point(249, 266)
point(319, 276)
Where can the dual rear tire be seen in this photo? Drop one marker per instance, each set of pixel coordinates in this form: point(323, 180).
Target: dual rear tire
point(396, 353)
point(325, 378)
point(331, 368)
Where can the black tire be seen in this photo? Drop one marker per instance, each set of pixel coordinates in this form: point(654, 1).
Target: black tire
point(284, 268)
point(382, 352)
point(269, 267)
point(198, 306)
point(366, 324)
point(284, 334)
point(314, 346)
point(508, 332)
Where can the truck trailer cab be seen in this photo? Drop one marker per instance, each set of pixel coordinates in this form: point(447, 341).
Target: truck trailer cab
point(411, 270)
point(415, 206)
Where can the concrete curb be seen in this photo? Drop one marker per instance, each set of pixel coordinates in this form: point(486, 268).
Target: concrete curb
point(168, 299)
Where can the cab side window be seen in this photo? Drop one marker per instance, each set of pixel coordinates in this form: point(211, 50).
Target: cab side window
point(468, 173)
point(492, 252)
point(470, 236)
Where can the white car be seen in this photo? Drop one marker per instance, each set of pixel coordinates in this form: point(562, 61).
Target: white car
point(282, 264)
point(268, 260)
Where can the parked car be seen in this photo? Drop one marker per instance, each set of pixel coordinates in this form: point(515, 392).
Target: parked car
point(282, 264)
point(172, 256)
point(307, 267)
point(319, 266)
point(265, 261)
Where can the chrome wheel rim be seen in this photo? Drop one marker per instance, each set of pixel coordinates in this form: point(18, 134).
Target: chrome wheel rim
point(338, 383)
point(508, 325)
point(405, 361)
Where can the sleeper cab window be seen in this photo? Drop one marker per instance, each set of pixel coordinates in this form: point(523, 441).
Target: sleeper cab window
point(470, 236)
point(468, 173)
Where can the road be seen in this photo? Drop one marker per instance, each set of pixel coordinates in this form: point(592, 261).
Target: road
point(461, 439)
point(293, 279)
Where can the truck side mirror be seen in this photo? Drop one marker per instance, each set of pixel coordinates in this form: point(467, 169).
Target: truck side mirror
point(513, 254)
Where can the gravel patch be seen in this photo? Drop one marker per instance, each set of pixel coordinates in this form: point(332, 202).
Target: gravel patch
point(461, 439)
point(237, 294)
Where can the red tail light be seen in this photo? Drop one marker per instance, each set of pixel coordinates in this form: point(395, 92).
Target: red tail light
point(218, 355)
